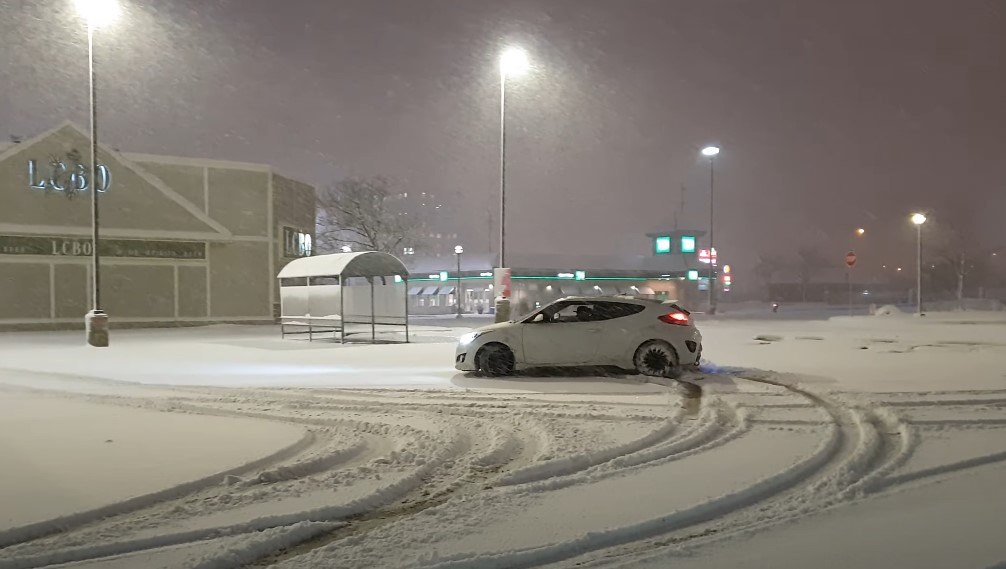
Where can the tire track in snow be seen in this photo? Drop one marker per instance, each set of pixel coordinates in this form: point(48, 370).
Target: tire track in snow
point(715, 424)
point(850, 450)
point(467, 466)
point(21, 534)
point(537, 472)
point(276, 467)
point(859, 452)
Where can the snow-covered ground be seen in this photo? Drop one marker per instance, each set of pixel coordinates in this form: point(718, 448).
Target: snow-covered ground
point(864, 441)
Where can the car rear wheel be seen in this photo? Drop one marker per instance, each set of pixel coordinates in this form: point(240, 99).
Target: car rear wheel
point(657, 359)
point(495, 360)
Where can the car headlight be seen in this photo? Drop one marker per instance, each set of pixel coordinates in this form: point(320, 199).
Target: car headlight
point(469, 338)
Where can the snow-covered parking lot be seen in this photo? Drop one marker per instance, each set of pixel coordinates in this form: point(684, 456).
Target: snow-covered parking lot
point(849, 442)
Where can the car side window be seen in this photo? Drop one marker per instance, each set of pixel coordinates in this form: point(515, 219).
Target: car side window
point(549, 314)
point(612, 310)
point(574, 312)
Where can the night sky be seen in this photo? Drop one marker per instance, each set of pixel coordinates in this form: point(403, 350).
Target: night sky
point(831, 115)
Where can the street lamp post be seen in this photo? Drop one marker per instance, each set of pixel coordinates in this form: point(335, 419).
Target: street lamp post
point(513, 62)
point(97, 13)
point(458, 250)
point(711, 152)
point(918, 219)
point(860, 232)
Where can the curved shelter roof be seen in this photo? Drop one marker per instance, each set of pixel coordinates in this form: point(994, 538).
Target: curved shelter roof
point(362, 264)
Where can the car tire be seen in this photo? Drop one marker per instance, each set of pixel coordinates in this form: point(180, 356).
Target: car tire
point(656, 358)
point(495, 360)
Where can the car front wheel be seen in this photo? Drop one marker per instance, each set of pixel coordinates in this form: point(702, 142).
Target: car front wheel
point(495, 360)
point(656, 359)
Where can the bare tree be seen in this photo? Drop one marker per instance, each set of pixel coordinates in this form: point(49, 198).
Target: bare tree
point(361, 213)
point(766, 269)
point(809, 263)
point(957, 251)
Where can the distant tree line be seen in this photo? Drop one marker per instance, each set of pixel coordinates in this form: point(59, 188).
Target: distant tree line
point(954, 259)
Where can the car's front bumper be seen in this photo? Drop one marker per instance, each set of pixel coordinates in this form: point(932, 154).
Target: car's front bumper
point(464, 358)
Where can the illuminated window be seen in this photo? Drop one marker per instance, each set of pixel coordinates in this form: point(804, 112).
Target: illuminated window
point(687, 244)
point(662, 245)
point(693, 275)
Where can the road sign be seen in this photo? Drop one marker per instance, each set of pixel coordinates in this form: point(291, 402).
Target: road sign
point(850, 259)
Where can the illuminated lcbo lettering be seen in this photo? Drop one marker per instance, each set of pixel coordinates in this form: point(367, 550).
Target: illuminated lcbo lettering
point(60, 177)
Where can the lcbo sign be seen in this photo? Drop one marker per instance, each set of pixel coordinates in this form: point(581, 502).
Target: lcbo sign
point(61, 177)
point(74, 247)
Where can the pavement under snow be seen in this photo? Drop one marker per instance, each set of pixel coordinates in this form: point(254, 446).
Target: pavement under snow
point(864, 441)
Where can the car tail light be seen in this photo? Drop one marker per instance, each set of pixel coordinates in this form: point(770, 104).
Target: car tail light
point(679, 318)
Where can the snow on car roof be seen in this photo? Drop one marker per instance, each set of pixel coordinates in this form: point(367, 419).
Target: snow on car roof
point(617, 298)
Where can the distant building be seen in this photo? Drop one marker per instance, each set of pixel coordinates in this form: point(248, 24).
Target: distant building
point(539, 278)
point(183, 240)
point(434, 214)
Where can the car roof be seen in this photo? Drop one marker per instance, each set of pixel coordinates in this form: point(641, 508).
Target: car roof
point(617, 298)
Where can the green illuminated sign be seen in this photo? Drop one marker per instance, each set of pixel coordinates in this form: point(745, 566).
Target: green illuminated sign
point(687, 244)
point(662, 245)
point(581, 275)
point(443, 275)
point(693, 275)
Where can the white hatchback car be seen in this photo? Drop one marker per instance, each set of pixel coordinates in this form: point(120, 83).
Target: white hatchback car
point(652, 337)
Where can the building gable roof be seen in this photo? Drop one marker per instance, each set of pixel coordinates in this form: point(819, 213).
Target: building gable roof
point(200, 224)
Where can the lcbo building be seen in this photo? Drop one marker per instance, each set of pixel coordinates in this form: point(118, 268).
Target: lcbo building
point(182, 240)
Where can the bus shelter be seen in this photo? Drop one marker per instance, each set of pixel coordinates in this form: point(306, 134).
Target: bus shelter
point(324, 294)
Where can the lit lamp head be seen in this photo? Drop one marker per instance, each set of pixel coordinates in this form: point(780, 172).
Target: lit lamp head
point(918, 218)
point(710, 151)
point(513, 61)
point(458, 249)
point(98, 13)
point(860, 231)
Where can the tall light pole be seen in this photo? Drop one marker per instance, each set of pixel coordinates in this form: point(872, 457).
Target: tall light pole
point(97, 13)
point(860, 232)
point(458, 250)
point(918, 219)
point(513, 62)
point(711, 152)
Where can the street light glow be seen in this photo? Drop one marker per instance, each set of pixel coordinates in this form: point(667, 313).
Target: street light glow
point(98, 13)
point(458, 249)
point(513, 61)
point(918, 218)
point(711, 151)
point(860, 231)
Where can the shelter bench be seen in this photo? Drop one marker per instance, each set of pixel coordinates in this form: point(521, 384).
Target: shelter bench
point(310, 325)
